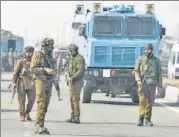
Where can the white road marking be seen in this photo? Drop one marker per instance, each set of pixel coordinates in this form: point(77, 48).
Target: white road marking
point(168, 107)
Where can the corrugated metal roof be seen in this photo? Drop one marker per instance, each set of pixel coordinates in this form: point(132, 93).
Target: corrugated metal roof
point(6, 34)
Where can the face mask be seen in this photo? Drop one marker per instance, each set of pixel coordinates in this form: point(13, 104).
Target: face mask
point(73, 53)
point(49, 49)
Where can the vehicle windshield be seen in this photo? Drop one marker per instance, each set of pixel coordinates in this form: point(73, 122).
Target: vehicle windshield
point(107, 26)
point(140, 26)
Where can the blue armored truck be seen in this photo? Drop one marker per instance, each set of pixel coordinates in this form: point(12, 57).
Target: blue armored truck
point(111, 39)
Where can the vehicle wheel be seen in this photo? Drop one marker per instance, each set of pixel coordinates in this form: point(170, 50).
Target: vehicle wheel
point(86, 94)
point(135, 98)
point(113, 95)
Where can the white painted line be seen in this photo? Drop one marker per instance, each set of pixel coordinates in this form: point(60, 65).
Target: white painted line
point(170, 108)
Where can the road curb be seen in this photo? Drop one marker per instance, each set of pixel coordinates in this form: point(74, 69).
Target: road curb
point(172, 94)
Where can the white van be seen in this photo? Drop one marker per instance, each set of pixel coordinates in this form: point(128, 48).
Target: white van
point(173, 64)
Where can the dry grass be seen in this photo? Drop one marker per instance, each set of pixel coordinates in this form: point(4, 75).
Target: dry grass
point(172, 82)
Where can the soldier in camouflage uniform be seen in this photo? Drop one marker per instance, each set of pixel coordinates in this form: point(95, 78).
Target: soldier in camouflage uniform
point(149, 67)
point(42, 67)
point(23, 78)
point(76, 70)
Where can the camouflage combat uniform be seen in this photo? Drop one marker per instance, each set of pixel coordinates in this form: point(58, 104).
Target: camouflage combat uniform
point(43, 83)
point(23, 78)
point(76, 70)
point(149, 67)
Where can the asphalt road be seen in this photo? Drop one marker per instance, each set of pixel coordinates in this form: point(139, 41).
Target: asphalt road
point(103, 117)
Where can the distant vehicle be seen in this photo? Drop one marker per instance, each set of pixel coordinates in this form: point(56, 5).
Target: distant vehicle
point(111, 39)
point(173, 64)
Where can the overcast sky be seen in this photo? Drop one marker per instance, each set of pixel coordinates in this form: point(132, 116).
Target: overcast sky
point(34, 19)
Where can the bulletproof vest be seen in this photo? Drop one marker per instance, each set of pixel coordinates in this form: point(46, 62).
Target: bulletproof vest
point(149, 67)
point(45, 60)
point(72, 66)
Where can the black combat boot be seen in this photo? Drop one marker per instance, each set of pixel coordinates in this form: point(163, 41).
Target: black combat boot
point(141, 122)
point(40, 129)
point(70, 119)
point(27, 117)
point(76, 120)
point(148, 122)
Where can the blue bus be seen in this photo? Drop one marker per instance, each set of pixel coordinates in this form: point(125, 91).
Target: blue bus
point(111, 40)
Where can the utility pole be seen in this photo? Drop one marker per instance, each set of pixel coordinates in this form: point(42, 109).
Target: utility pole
point(57, 39)
point(25, 37)
point(1, 65)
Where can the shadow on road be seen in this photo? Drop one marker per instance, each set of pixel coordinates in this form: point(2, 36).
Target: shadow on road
point(9, 110)
point(113, 103)
point(130, 103)
point(83, 135)
point(123, 97)
point(94, 123)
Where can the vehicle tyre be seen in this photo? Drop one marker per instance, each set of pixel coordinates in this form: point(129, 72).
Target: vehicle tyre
point(113, 95)
point(86, 94)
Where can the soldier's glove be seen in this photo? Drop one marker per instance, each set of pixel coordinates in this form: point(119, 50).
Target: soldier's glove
point(139, 85)
point(14, 85)
point(50, 71)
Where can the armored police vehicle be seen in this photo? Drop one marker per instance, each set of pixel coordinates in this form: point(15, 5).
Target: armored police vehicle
point(112, 38)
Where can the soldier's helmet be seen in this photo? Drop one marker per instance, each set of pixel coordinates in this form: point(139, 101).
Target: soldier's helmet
point(46, 42)
point(29, 49)
point(149, 46)
point(73, 47)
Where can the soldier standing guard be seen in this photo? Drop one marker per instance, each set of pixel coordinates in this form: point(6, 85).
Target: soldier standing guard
point(22, 79)
point(43, 69)
point(148, 69)
point(75, 70)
